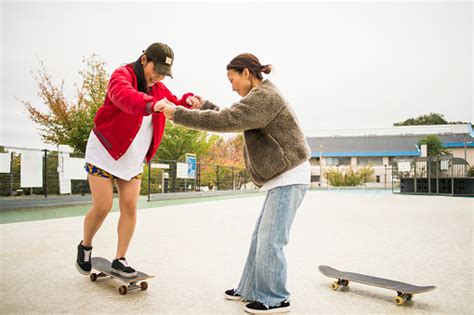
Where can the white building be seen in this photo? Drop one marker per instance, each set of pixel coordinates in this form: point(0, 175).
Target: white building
point(379, 147)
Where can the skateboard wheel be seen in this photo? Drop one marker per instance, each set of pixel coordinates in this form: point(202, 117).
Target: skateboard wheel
point(335, 286)
point(399, 300)
point(144, 285)
point(93, 276)
point(123, 290)
point(344, 283)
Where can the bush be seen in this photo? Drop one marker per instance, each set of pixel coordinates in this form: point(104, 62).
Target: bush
point(349, 178)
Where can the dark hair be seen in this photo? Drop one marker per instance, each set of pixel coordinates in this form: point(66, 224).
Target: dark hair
point(249, 61)
point(138, 69)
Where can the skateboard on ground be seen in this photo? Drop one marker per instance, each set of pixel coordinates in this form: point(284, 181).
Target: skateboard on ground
point(405, 291)
point(104, 267)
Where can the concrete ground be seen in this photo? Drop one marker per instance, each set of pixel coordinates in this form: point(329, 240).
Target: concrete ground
point(198, 250)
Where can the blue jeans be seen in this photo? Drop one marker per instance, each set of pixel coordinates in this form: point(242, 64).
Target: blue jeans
point(264, 276)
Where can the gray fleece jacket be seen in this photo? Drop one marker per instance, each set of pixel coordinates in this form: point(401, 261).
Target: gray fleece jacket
point(273, 140)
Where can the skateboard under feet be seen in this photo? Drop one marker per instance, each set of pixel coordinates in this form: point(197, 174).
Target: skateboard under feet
point(104, 268)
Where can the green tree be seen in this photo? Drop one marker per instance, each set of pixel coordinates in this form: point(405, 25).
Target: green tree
point(434, 145)
point(69, 122)
point(178, 140)
point(430, 119)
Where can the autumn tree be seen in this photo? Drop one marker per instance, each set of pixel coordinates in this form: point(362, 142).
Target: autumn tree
point(224, 165)
point(69, 122)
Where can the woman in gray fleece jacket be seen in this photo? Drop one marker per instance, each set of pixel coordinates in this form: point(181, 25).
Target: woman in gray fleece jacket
point(276, 155)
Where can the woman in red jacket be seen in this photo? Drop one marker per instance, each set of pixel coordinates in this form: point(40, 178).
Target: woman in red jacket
point(128, 128)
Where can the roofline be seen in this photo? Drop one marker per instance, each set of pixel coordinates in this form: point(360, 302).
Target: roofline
point(315, 154)
point(469, 144)
point(459, 129)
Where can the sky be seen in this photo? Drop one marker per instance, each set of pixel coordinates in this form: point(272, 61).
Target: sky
point(341, 65)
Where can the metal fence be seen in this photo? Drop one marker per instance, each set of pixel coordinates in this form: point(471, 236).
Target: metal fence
point(441, 174)
point(159, 176)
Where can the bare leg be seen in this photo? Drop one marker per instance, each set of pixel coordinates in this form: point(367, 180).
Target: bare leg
point(128, 198)
point(102, 196)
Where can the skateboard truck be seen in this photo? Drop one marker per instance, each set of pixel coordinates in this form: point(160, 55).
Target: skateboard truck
point(134, 285)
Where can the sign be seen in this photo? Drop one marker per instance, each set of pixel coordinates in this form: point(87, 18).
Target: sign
point(181, 170)
point(404, 166)
point(159, 165)
point(191, 161)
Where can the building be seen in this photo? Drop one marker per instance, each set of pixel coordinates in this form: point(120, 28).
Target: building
point(379, 147)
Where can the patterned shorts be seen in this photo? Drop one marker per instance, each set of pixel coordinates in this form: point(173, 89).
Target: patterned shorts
point(96, 171)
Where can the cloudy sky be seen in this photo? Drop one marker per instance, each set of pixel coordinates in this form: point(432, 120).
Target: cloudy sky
point(342, 65)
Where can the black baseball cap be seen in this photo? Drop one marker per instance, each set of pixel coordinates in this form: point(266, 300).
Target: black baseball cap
point(162, 56)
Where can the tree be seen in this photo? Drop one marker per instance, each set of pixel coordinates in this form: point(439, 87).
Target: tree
point(178, 140)
point(69, 122)
point(434, 145)
point(430, 119)
point(224, 162)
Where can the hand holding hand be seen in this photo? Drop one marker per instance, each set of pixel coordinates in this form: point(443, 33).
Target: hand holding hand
point(194, 102)
point(169, 110)
point(160, 105)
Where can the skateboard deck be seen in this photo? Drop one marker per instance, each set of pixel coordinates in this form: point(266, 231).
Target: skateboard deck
point(104, 268)
point(405, 291)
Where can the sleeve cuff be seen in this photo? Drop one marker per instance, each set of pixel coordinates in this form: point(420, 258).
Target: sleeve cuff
point(149, 108)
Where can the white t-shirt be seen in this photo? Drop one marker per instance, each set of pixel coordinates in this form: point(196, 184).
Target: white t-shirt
point(298, 175)
point(128, 165)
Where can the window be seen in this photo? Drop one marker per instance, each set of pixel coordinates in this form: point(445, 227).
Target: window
point(315, 178)
point(374, 161)
point(338, 161)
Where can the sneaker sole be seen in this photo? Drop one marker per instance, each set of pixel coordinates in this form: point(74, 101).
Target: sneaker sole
point(270, 311)
point(232, 297)
point(81, 271)
point(122, 274)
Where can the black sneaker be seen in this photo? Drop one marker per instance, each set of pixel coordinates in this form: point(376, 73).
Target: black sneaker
point(83, 261)
point(121, 267)
point(259, 308)
point(232, 295)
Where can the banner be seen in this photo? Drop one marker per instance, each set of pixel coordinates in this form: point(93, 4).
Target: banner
point(5, 162)
point(74, 168)
point(31, 174)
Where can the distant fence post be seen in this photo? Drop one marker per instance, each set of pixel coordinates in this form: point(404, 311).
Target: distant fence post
point(11, 173)
point(45, 173)
point(198, 177)
point(233, 183)
point(217, 177)
point(149, 179)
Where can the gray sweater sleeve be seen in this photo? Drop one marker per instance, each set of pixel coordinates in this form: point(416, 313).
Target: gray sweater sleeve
point(254, 111)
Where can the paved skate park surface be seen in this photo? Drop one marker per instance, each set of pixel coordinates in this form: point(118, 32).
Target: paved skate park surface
point(197, 250)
